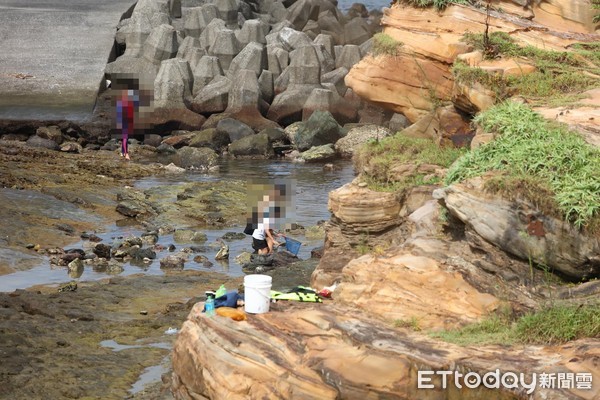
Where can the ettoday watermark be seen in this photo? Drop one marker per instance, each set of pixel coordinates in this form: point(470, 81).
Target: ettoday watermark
point(507, 380)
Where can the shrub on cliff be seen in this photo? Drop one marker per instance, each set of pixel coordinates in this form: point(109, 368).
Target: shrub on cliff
point(542, 161)
point(384, 44)
point(439, 4)
point(559, 78)
point(376, 159)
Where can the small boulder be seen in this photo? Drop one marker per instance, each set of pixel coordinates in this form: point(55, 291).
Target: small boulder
point(213, 138)
point(255, 145)
point(321, 128)
point(317, 154)
point(196, 158)
point(234, 129)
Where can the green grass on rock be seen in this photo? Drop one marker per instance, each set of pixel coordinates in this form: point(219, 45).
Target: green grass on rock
point(547, 154)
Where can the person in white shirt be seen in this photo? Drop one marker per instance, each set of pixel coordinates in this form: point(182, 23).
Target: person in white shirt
point(262, 237)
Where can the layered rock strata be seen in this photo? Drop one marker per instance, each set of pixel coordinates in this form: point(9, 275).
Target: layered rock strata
point(430, 41)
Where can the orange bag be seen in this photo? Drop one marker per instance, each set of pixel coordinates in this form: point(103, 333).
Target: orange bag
point(233, 313)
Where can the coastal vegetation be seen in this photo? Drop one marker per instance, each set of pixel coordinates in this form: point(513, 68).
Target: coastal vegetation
point(554, 324)
point(384, 44)
point(377, 158)
point(535, 159)
point(439, 4)
point(559, 77)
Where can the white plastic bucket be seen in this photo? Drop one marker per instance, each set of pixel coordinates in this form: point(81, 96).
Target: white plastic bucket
point(257, 293)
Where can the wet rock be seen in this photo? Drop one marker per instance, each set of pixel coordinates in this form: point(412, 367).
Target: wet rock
point(223, 253)
point(201, 259)
point(139, 254)
point(275, 134)
point(68, 229)
point(149, 238)
point(231, 236)
point(254, 145)
point(68, 287)
point(173, 262)
point(198, 158)
point(243, 258)
point(120, 253)
point(317, 252)
point(133, 208)
point(317, 154)
point(76, 266)
point(102, 250)
point(114, 268)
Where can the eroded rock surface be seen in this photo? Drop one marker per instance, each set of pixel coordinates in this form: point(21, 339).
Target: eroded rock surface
point(519, 228)
point(430, 41)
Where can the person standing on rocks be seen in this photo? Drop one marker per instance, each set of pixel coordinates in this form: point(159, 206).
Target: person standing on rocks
point(127, 106)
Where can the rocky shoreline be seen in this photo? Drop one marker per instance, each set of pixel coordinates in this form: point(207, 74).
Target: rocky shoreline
point(412, 256)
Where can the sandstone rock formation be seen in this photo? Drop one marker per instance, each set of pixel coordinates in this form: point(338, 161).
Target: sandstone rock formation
point(369, 340)
point(431, 41)
point(520, 228)
point(336, 350)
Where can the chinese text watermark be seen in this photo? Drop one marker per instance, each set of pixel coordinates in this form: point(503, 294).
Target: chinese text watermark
point(506, 380)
